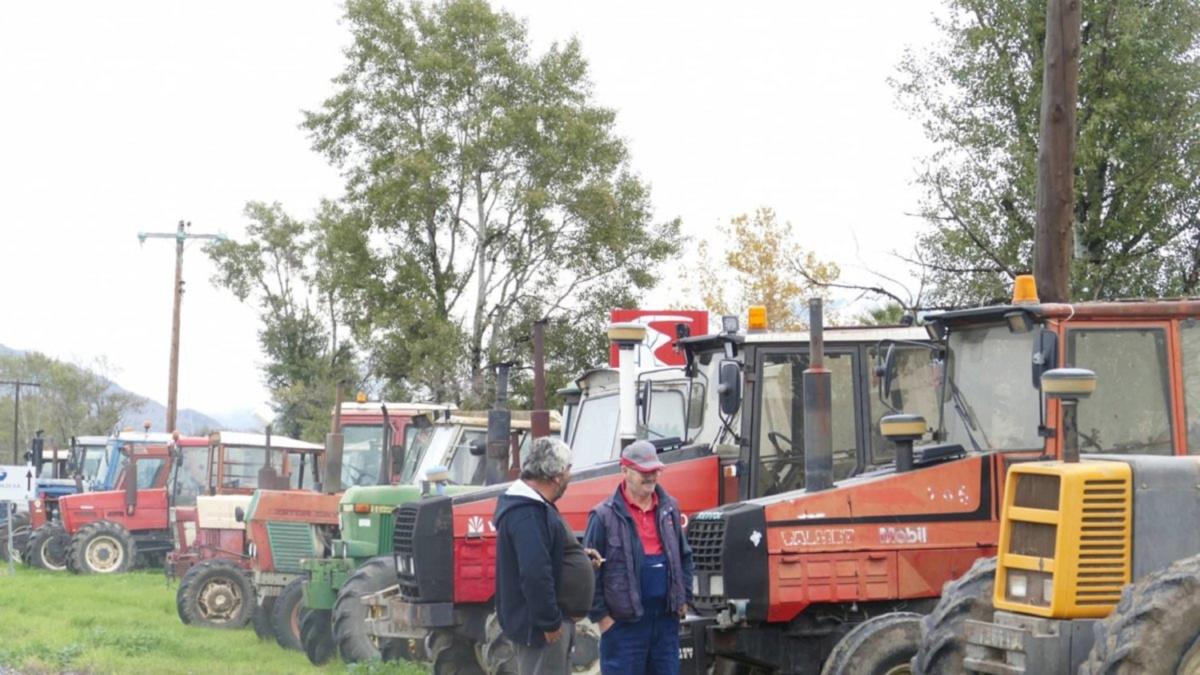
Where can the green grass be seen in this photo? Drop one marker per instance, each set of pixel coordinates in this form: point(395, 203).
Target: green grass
point(59, 622)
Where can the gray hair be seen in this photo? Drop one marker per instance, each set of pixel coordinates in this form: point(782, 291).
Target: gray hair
point(547, 458)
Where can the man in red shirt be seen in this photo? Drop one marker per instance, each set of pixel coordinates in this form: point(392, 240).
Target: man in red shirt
point(644, 585)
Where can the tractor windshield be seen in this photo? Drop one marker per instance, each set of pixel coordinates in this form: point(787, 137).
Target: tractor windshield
point(241, 464)
point(91, 460)
point(428, 448)
point(990, 402)
point(362, 454)
point(191, 475)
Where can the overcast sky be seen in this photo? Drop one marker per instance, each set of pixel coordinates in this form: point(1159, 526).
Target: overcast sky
point(128, 116)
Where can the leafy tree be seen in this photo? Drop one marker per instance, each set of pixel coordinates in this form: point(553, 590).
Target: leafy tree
point(758, 269)
point(72, 400)
point(888, 314)
point(282, 268)
point(1137, 193)
point(484, 181)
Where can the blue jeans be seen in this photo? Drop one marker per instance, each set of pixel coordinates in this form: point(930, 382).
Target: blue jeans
point(650, 645)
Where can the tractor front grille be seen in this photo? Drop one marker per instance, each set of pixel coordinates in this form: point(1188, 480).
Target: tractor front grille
point(404, 546)
point(706, 536)
point(424, 572)
point(1103, 543)
point(290, 543)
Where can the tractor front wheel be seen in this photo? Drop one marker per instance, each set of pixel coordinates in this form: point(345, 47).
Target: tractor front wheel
point(20, 536)
point(316, 635)
point(943, 643)
point(47, 548)
point(262, 618)
point(102, 547)
point(285, 616)
point(350, 614)
point(881, 645)
point(1155, 627)
point(453, 655)
point(215, 594)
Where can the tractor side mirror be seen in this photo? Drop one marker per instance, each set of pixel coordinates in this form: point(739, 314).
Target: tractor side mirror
point(1045, 355)
point(477, 448)
point(729, 387)
point(646, 398)
point(239, 514)
point(887, 373)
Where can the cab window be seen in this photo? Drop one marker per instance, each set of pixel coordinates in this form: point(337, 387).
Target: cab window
point(594, 431)
point(914, 391)
point(149, 471)
point(1130, 411)
point(466, 468)
point(294, 478)
point(191, 478)
point(781, 420)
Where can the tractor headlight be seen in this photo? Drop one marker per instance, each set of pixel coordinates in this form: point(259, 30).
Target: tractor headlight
point(1018, 584)
point(716, 585)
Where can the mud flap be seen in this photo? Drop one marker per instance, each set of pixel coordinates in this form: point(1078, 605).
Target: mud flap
point(693, 655)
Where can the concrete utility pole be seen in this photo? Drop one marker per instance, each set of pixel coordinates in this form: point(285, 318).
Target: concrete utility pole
point(1053, 245)
point(180, 235)
point(17, 384)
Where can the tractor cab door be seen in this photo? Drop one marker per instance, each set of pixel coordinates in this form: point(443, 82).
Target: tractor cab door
point(1134, 408)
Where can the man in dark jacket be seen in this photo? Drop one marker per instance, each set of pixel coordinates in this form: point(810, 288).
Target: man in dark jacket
point(644, 585)
point(530, 537)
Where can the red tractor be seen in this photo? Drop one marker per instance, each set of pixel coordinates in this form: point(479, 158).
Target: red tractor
point(445, 547)
point(838, 577)
point(107, 531)
point(210, 542)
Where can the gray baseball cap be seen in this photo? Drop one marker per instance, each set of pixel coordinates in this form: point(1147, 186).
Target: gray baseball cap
point(642, 456)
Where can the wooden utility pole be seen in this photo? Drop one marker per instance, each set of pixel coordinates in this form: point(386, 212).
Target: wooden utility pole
point(17, 384)
point(1053, 245)
point(180, 235)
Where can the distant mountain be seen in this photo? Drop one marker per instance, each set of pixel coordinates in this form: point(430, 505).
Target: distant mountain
point(188, 421)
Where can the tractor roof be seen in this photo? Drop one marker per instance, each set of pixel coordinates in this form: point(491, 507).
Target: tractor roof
point(260, 441)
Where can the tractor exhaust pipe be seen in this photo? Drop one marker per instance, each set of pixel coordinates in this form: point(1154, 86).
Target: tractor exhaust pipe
point(332, 480)
point(539, 419)
point(385, 462)
point(499, 430)
point(818, 410)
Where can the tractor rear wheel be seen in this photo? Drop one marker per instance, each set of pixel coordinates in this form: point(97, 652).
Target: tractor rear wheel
point(103, 547)
point(262, 618)
point(20, 537)
point(215, 594)
point(47, 548)
point(943, 644)
point(1155, 627)
point(316, 635)
point(349, 612)
point(285, 615)
point(881, 645)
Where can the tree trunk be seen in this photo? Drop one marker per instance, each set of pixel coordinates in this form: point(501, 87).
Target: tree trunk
point(1053, 245)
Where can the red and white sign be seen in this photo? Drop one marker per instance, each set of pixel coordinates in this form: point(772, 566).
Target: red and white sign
point(660, 347)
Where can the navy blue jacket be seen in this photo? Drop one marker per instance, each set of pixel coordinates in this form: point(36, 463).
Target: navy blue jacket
point(612, 532)
point(529, 550)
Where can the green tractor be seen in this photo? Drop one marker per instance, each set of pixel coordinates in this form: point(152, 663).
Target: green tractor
point(445, 457)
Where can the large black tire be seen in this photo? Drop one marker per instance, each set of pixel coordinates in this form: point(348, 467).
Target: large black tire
point(20, 537)
point(47, 548)
point(262, 618)
point(215, 594)
point(102, 547)
point(943, 645)
point(316, 635)
point(455, 657)
point(881, 645)
point(285, 615)
point(1155, 628)
point(350, 614)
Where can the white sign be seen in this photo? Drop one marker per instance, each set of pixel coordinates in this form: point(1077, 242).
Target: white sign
point(17, 483)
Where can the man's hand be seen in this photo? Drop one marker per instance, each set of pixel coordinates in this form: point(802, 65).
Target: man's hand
point(683, 611)
point(594, 555)
point(554, 635)
point(606, 623)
